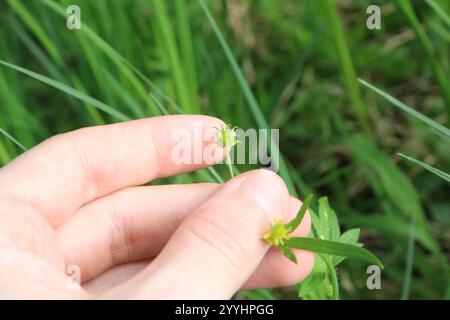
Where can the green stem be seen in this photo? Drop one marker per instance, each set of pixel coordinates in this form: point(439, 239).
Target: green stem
point(330, 13)
point(229, 165)
point(250, 98)
point(428, 48)
point(10, 137)
point(333, 277)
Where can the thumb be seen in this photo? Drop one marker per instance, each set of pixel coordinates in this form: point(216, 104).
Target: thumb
point(218, 246)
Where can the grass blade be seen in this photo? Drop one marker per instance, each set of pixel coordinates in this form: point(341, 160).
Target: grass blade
point(251, 100)
point(333, 248)
point(437, 172)
point(75, 93)
point(13, 140)
point(439, 11)
point(187, 54)
point(253, 104)
point(441, 79)
point(381, 170)
point(331, 15)
point(85, 98)
point(35, 27)
point(163, 25)
point(125, 67)
point(438, 127)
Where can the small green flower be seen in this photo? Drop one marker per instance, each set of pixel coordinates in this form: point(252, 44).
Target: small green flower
point(226, 136)
point(278, 233)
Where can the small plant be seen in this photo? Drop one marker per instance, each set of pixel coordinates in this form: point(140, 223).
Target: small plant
point(332, 247)
point(328, 242)
point(279, 233)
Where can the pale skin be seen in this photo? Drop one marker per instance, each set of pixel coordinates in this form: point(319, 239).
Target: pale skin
point(77, 199)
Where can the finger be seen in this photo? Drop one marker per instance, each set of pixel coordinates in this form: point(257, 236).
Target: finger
point(77, 167)
point(25, 275)
point(115, 276)
point(128, 225)
point(218, 247)
point(136, 223)
point(275, 270)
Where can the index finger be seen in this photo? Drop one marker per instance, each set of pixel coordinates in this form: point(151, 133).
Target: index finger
point(68, 170)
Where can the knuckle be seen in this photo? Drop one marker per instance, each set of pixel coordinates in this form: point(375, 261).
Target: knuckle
point(120, 246)
point(71, 144)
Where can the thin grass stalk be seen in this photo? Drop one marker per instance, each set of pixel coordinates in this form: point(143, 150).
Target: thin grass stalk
point(250, 98)
point(333, 20)
point(170, 48)
point(427, 46)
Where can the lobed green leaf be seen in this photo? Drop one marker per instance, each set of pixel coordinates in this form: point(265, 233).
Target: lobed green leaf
point(329, 220)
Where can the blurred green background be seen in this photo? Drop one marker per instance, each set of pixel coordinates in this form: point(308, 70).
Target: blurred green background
point(301, 61)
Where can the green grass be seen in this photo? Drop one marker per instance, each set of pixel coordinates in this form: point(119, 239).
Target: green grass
point(332, 21)
point(428, 48)
point(260, 64)
point(433, 124)
point(437, 172)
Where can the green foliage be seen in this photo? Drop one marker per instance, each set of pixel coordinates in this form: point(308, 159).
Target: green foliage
point(437, 172)
point(433, 124)
point(441, 78)
point(329, 241)
point(335, 248)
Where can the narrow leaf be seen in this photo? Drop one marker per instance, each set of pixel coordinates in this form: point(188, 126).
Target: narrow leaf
point(10, 137)
point(255, 109)
point(294, 223)
point(333, 248)
point(438, 127)
point(288, 253)
point(439, 173)
point(440, 12)
point(71, 91)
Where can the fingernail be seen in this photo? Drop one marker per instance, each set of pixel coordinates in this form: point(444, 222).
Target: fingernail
point(267, 190)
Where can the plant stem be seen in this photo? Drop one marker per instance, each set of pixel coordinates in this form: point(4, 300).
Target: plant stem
point(229, 165)
point(330, 13)
point(10, 137)
point(250, 98)
point(333, 277)
point(428, 48)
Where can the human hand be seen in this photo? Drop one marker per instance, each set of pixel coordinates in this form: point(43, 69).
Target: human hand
point(76, 200)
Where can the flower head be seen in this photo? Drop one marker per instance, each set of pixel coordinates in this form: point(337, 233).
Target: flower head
point(277, 234)
point(226, 136)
